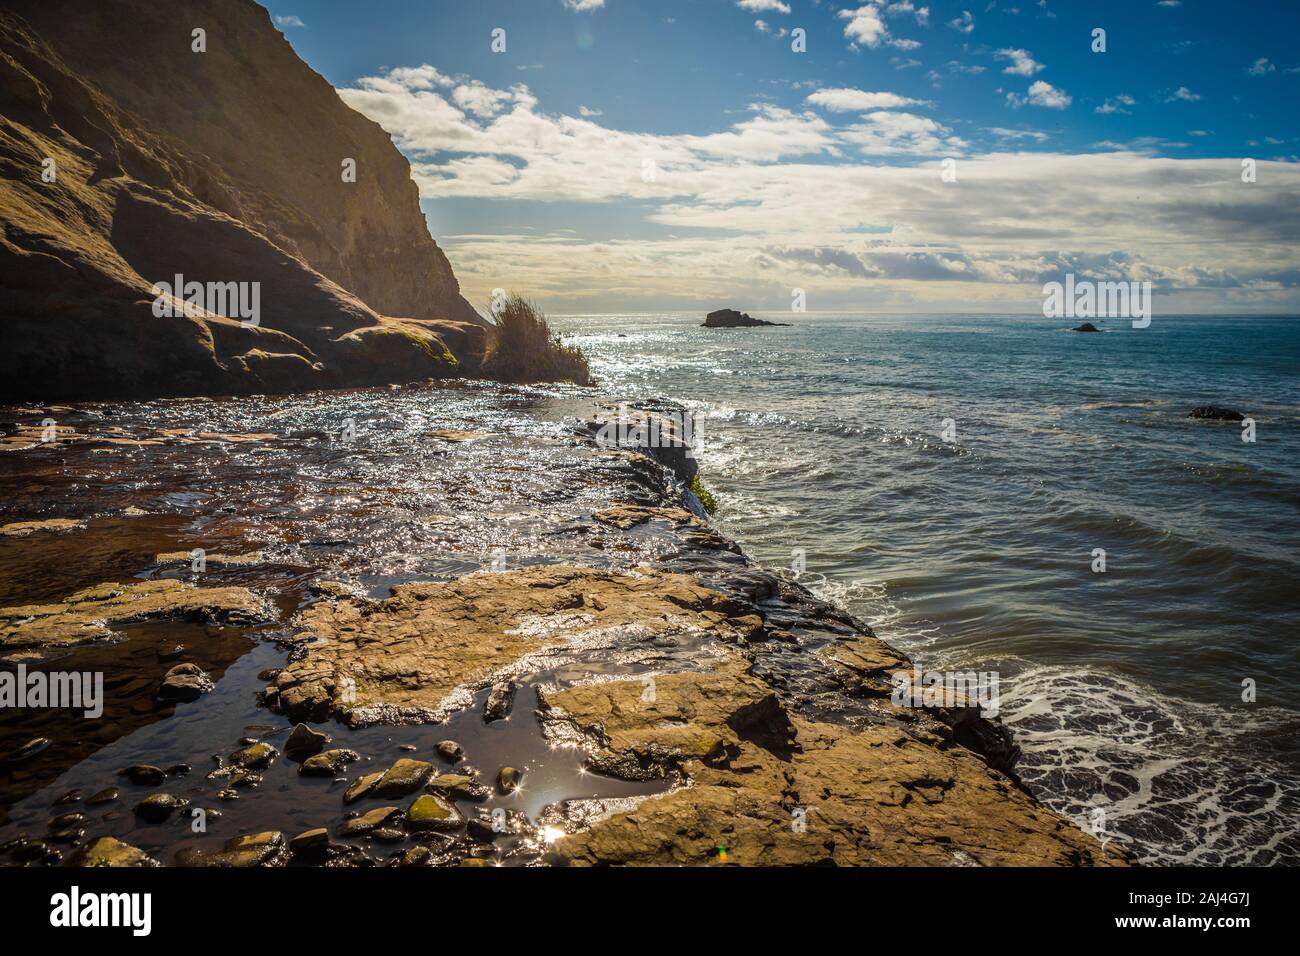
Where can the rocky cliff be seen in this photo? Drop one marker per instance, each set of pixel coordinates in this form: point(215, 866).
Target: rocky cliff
point(130, 158)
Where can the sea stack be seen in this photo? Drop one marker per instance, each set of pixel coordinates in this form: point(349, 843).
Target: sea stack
point(731, 319)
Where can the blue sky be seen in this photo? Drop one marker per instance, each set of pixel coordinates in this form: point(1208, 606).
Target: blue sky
point(653, 154)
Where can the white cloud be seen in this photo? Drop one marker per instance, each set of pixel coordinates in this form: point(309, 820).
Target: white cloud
point(846, 209)
point(758, 6)
point(844, 100)
point(1041, 93)
point(1183, 94)
point(290, 21)
point(964, 23)
point(1261, 67)
point(589, 111)
point(1116, 105)
point(1022, 62)
point(581, 6)
point(865, 26)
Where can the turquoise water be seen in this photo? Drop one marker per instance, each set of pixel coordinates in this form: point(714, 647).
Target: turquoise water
point(1124, 687)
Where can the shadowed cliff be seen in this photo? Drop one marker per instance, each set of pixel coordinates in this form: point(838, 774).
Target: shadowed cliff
point(129, 158)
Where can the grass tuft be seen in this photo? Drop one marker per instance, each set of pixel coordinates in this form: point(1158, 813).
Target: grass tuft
point(523, 349)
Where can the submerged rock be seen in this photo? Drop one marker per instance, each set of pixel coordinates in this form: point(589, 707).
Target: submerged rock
point(144, 774)
point(1086, 327)
point(1216, 414)
point(28, 750)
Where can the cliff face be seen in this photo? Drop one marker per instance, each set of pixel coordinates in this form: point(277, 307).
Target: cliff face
point(222, 166)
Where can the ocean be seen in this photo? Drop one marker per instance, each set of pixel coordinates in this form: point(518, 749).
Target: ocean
point(951, 479)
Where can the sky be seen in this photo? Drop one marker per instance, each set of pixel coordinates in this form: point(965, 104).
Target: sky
point(604, 156)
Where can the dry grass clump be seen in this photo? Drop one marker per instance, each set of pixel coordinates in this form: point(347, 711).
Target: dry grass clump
point(523, 349)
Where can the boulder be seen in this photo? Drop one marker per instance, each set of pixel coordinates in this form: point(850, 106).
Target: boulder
point(183, 683)
point(1216, 414)
point(403, 777)
point(109, 851)
point(329, 763)
point(431, 812)
point(304, 742)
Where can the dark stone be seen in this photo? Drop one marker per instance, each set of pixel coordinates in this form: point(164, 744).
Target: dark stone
point(1086, 327)
point(1216, 414)
point(28, 750)
point(146, 775)
point(731, 319)
point(499, 700)
point(304, 742)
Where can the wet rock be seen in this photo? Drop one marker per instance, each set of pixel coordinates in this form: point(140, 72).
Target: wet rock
point(388, 835)
point(256, 849)
point(480, 831)
point(431, 812)
point(228, 794)
point(310, 842)
point(1216, 414)
point(508, 780)
point(72, 796)
point(180, 770)
point(258, 756)
point(416, 856)
point(883, 794)
point(400, 659)
point(212, 561)
point(371, 820)
point(403, 777)
point(65, 821)
point(143, 774)
point(499, 700)
point(183, 683)
point(1086, 327)
point(458, 786)
point(450, 751)
point(304, 742)
point(171, 653)
point(21, 529)
point(90, 615)
point(158, 807)
point(329, 763)
point(108, 851)
point(361, 786)
point(28, 750)
point(107, 795)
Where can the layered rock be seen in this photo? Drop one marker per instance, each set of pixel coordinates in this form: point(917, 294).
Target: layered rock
point(123, 171)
